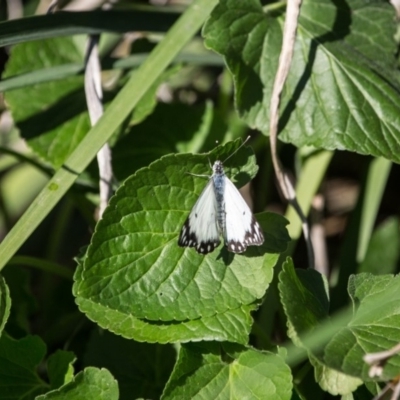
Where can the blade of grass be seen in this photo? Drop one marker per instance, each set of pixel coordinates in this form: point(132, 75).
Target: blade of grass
point(311, 176)
point(359, 229)
point(375, 186)
point(86, 22)
point(183, 30)
point(66, 70)
point(316, 340)
point(40, 76)
point(310, 179)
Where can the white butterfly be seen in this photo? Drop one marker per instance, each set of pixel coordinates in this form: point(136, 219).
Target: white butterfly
point(220, 210)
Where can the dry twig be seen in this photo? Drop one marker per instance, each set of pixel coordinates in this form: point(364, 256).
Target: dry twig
point(285, 58)
point(94, 96)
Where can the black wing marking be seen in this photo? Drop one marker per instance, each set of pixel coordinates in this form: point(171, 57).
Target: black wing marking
point(253, 237)
point(188, 238)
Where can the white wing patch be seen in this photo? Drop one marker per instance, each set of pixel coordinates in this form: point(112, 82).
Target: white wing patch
point(241, 229)
point(201, 228)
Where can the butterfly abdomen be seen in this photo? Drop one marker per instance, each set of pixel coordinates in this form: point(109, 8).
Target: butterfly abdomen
point(219, 188)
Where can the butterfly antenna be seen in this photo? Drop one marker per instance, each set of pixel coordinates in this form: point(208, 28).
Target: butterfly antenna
point(247, 139)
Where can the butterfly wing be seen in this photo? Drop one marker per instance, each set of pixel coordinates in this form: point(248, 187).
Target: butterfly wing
point(201, 228)
point(241, 229)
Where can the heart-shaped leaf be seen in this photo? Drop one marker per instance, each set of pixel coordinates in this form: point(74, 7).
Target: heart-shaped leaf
point(137, 281)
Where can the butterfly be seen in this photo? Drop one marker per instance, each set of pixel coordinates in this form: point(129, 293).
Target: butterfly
point(220, 210)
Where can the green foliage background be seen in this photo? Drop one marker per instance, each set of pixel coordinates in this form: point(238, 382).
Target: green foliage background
point(116, 309)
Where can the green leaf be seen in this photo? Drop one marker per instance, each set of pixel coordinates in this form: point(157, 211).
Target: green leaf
point(232, 325)
point(374, 325)
point(23, 302)
point(383, 249)
point(60, 368)
point(237, 30)
point(5, 303)
point(149, 365)
point(18, 362)
point(135, 269)
point(305, 298)
point(54, 118)
point(92, 383)
point(336, 96)
point(352, 24)
point(223, 371)
point(179, 127)
point(332, 381)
